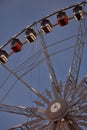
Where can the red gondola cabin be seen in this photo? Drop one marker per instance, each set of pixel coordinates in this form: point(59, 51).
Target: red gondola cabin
point(62, 19)
point(16, 45)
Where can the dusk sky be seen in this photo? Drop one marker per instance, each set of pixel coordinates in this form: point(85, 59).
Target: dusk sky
point(16, 15)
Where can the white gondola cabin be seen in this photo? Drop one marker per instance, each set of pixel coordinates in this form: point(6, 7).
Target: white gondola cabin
point(30, 35)
point(46, 26)
point(78, 13)
point(3, 56)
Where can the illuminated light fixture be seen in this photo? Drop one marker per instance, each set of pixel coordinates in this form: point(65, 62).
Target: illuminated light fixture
point(30, 35)
point(62, 19)
point(3, 56)
point(46, 26)
point(78, 12)
point(16, 45)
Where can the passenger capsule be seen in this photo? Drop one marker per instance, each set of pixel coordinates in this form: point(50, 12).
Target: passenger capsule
point(16, 45)
point(30, 35)
point(78, 13)
point(3, 56)
point(46, 26)
point(62, 19)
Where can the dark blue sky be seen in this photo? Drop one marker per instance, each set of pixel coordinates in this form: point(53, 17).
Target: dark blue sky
point(14, 16)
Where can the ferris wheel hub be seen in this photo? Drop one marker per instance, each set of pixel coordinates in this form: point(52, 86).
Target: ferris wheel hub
point(57, 109)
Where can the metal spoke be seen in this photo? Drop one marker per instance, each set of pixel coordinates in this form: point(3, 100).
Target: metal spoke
point(52, 75)
point(26, 111)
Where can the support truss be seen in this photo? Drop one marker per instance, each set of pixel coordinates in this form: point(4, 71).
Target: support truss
point(77, 57)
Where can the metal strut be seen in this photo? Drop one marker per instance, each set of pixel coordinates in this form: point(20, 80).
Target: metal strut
point(26, 111)
point(77, 56)
point(44, 99)
point(52, 75)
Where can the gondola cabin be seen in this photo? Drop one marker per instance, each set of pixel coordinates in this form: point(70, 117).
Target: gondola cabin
point(62, 19)
point(3, 56)
point(46, 26)
point(16, 45)
point(78, 13)
point(30, 35)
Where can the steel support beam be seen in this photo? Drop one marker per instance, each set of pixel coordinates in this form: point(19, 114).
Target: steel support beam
point(77, 57)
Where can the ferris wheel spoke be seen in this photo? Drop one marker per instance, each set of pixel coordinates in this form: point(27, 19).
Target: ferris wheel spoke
point(79, 89)
point(44, 98)
point(71, 126)
point(84, 108)
point(65, 126)
point(79, 93)
point(82, 117)
point(26, 111)
point(52, 75)
point(61, 87)
point(31, 125)
point(45, 127)
point(82, 98)
point(27, 85)
point(38, 103)
point(83, 124)
point(48, 93)
point(78, 127)
point(34, 127)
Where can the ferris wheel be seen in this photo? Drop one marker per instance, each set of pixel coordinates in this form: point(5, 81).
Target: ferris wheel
point(57, 104)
